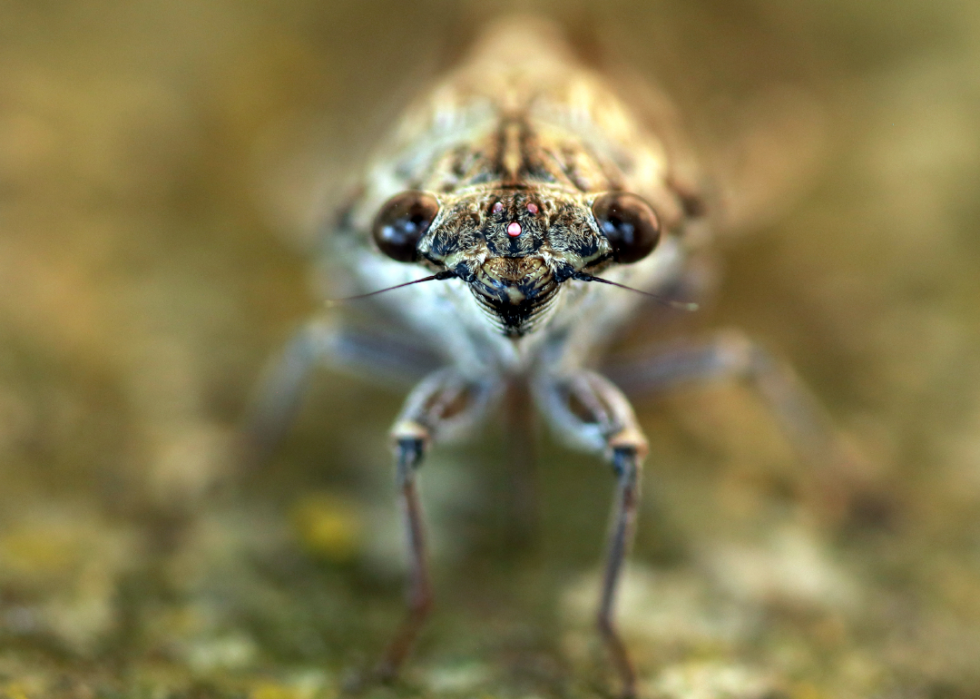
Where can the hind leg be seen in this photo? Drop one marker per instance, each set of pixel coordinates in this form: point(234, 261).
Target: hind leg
point(322, 342)
point(842, 476)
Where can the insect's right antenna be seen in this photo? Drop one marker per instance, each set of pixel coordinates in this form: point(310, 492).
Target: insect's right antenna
point(330, 303)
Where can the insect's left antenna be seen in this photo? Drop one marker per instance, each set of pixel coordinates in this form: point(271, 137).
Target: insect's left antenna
point(688, 306)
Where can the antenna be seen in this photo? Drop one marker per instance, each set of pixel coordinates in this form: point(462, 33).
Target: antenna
point(330, 303)
point(688, 306)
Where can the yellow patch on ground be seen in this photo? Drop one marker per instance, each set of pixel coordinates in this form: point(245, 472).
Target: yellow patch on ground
point(328, 525)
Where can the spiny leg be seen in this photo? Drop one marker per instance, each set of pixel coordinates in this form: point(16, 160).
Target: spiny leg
point(444, 403)
point(609, 425)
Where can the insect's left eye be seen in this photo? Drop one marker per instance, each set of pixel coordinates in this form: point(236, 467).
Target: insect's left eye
point(402, 222)
point(629, 224)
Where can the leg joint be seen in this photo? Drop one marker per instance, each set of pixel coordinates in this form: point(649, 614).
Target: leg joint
point(408, 452)
point(626, 464)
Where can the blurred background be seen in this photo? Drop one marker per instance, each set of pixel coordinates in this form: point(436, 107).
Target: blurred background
point(161, 170)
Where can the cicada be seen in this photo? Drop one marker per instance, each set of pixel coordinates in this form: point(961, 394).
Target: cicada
point(502, 218)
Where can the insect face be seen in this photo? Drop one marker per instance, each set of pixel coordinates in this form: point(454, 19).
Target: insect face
point(515, 248)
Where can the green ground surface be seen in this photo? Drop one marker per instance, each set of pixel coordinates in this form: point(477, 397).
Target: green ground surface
point(157, 163)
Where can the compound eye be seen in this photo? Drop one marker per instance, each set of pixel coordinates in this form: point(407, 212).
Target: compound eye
point(629, 224)
point(402, 222)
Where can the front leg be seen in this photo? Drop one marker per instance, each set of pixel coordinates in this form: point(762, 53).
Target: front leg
point(444, 404)
point(588, 411)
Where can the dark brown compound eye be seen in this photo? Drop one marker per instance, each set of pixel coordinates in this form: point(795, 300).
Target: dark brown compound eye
point(629, 224)
point(401, 222)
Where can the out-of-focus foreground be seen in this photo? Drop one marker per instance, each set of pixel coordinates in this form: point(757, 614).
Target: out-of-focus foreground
point(158, 163)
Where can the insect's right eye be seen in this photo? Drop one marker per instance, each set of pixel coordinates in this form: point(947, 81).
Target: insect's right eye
point(401, 222)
